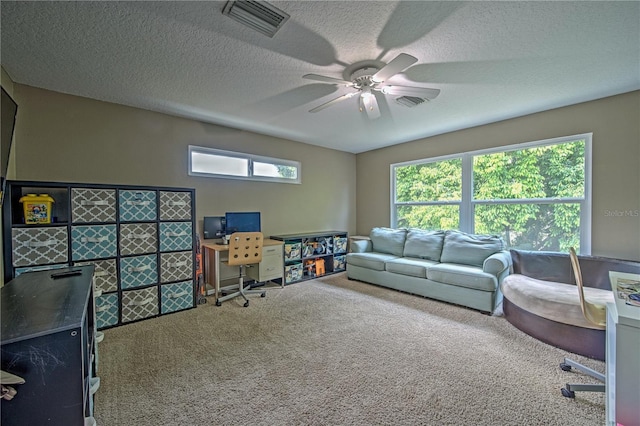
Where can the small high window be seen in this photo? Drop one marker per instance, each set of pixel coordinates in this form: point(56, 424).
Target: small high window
point(209, 162)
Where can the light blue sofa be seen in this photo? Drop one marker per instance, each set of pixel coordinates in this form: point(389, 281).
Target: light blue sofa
point(451, 266)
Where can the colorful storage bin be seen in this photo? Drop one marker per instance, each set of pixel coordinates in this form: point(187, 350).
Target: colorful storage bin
point(37, 208)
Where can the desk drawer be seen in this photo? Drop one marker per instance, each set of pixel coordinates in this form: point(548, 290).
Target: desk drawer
point(175, 297)
point(138, 304)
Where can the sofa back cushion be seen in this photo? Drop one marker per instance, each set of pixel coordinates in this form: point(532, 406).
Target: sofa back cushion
point(424, 244)
point(387, 240)
point(469, 249)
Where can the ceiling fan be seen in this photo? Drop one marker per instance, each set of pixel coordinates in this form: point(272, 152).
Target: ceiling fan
point(367, 78)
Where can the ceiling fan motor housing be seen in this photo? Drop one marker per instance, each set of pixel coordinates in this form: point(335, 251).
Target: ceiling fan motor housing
point(362, 77)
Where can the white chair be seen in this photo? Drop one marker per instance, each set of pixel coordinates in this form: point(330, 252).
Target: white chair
point(596, 314)
point(245, 248)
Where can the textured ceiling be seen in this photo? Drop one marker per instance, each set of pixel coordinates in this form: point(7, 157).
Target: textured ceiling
point(491, 61)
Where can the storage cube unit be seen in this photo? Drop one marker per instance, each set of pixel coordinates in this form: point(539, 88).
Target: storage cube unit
point(307, 256)
point(139, 240)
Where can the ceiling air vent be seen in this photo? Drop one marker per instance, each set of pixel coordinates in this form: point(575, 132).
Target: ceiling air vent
point(258, 15)
point(410, 101)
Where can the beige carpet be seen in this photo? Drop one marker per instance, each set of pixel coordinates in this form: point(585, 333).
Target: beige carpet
point(335, 352)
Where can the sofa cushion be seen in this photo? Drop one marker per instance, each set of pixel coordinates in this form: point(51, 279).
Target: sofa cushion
point(462, 276)
point(469, 249)
point(424, 244)
point(409, 266)
point(371, 260)
point(552, 300)
point(387, 240)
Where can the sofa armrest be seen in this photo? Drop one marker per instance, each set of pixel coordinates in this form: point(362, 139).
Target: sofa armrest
point(360, 246)
point(497, 263)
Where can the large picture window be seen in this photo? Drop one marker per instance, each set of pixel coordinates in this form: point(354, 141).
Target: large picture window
point(211, 162)
point(536, 195)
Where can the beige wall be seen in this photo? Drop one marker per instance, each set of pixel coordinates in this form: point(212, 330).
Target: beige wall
point(616, 165)
point(72, 139)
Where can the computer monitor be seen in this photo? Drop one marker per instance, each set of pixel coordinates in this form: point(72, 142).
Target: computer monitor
point(213, 227)
point(242, 222)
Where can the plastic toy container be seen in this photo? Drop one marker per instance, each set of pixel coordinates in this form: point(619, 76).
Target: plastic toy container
point(37, 208)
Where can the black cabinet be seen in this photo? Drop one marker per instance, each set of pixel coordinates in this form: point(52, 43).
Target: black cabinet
point(48, 339)
point(311, 255)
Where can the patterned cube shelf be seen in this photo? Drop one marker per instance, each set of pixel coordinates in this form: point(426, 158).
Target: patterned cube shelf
point(307, 256)
point(139, 239)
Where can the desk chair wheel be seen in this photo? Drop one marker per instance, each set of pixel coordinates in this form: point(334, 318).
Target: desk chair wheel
point(568, 393)
point(218, 303)
point(246, 304)
point(263, 294)
point(565, 367)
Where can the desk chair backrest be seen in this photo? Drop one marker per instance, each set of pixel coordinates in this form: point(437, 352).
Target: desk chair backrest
point(595, 313)
point(245, 248)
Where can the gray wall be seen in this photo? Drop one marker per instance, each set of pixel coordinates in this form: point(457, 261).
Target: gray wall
point(72, 139)
point(616, 165)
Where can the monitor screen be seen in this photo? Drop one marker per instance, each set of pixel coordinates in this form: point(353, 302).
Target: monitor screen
point(242, 222)
point(213, 227)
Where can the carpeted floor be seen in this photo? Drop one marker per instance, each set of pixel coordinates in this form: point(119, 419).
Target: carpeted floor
point(335, 352)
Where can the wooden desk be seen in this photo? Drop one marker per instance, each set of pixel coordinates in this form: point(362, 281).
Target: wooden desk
point(212, 256)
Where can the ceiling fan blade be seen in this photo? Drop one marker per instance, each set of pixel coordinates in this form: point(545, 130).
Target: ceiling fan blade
point(369, 104)
point(333, 101)
point(397, 64)
point(326, 79)
point(420, 92)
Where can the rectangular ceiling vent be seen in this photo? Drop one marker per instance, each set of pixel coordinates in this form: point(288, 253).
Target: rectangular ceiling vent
point(410, 101)
point(257, 15)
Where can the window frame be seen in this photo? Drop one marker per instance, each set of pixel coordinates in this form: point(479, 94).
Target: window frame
point(251, 159)
point(467, 203)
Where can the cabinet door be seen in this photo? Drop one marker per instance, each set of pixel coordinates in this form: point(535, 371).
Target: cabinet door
point(93, 241)
point(176, 236)
point(138, 238)
point(137, 206)
point(39, 246)
point(93, 205)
